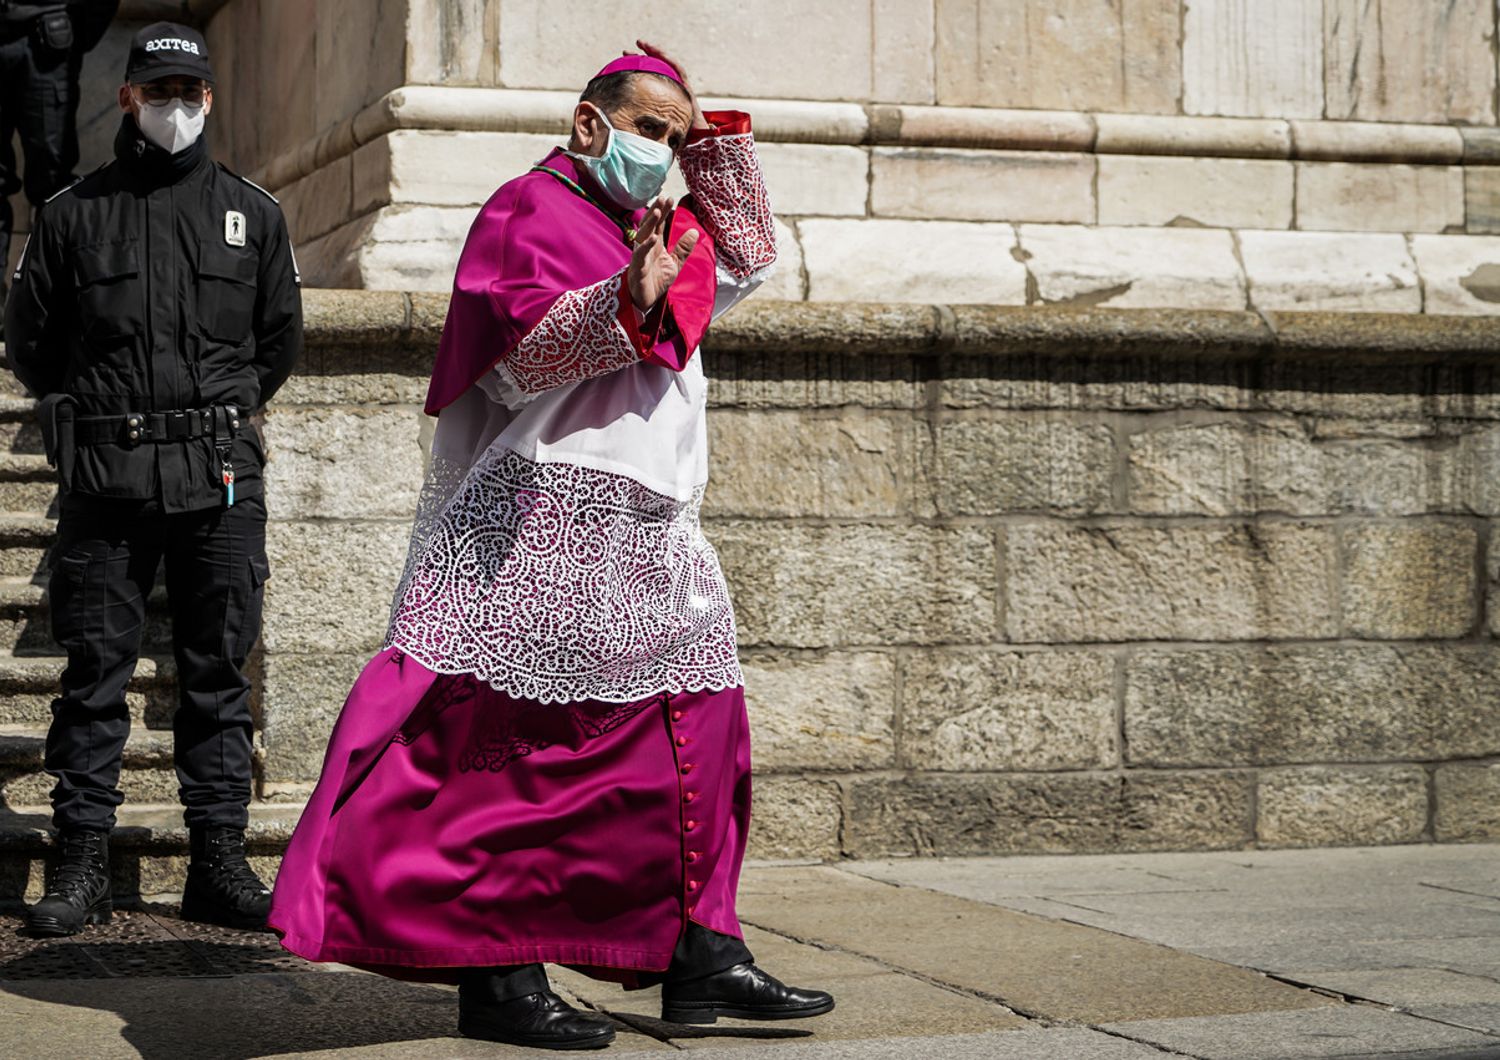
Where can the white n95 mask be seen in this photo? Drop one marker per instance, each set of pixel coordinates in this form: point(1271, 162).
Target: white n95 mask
point(174, 127)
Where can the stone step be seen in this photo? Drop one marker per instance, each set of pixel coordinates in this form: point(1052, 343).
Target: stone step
point(27, 484)
point(25, 538)
point(147, 775)
point(25, 623)
point(28, 684)
point(148, 848)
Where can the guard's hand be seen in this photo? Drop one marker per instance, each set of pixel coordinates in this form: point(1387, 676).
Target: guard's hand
point(699, 121)
point(652, 266)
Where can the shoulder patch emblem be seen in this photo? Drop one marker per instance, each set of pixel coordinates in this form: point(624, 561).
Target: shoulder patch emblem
point(234, 228)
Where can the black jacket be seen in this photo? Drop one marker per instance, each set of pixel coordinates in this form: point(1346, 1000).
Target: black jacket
point(135, 295)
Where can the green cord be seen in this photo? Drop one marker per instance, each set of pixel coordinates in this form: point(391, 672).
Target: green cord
point(625, 230)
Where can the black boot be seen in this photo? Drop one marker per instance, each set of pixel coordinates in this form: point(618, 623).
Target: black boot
point(515, 1006)
point(742, 992)
point(79, 895)
point(221, 886)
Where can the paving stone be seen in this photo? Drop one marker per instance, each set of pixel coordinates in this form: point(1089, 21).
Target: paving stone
point(1194, 192)
point(1353, 1031)
point(1410, 61)
point(1407, 987)
point(966, 813)
point(1324, 805)
point(1058, 55)
point(1358, 197)
point(1461, 274)
point(809, 586)
point(992, 710)
point(1410, 580)
point(941, 262)
point(1277, 705)
point(1261, 58)
point(825, 711)
point(940, 183)
point(1129, 582)
point(1132, 267)
point(1051, 970)
point(1013, 462)
point(1345, 272)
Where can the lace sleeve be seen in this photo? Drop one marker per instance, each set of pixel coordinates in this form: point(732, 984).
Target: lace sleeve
point(588, 332)
point(723, 173)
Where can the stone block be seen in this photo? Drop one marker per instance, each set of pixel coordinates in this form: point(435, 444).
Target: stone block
point(845, 463)
point(1042, 813)
point(1182, 582)
point(1016, 462)
point(794, 817)
point(902, 60)
point(1260, 58)
point(397, 248)
point(983, 127)
point(1227, 468)
point(440, 168)
point(1468, 802)
point(1482, 200)
point(828, 181)
point(453, 41)
point(350, 36)
point(1339, 272)
point(778, 49)
point(319, 202)
point(1460, 274)
point(1410, 580)
point(798, 379)
point(1329, 703)
point(1163, 134)
point(825, 711)
point(938, 262)
point(1195, 192)
point(1410, 60)
point(788, 279)
point(1130, 268)
point(343, 462)
point(300, 699)
point(1363, 141)
point(1316, 806)
point(331, 583)
point(812, 586)
point(942, 183)
point(1085, 55)
point(994, 710)
point(1375, 197)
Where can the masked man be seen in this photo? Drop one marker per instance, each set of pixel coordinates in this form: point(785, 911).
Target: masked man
point(155, 306)
point(549, 762)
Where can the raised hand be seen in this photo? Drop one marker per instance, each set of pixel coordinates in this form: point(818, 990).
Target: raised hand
point(653, 266)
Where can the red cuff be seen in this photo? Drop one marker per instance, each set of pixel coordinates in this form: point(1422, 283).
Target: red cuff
point(722, 123)
point(642, 332)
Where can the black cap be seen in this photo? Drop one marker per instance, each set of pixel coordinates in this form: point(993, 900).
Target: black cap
point(166, 49)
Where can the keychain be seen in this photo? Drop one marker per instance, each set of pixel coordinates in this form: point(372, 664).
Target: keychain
point(227, 467)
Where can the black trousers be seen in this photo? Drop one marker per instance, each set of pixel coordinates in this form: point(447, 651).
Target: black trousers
point(700, 952)
point(104, 565)
point(38, 100)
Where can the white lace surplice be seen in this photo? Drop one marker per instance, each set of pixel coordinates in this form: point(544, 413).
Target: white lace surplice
point(556, 553)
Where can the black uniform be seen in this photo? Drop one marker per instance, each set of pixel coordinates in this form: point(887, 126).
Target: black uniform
point(41, 51)
point(154, 307)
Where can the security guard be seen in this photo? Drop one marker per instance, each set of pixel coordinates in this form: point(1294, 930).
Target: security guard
point(155, 306)
point(42, 46)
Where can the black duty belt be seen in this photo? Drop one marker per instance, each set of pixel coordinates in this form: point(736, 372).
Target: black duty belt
point(219, 422)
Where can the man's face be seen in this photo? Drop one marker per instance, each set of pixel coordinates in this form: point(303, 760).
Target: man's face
point(191, 90)
point(656, 109)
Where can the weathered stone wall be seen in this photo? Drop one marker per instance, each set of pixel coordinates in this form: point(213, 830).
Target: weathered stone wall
point(1015, 580)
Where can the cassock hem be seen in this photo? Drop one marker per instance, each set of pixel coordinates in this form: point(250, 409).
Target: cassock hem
point(567, 953)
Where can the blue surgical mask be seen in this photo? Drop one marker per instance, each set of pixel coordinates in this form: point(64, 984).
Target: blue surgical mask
point(632, 169)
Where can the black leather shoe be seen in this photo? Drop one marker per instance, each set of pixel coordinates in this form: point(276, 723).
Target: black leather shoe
point(743, 992)
point(79, 895)
point(541, 1019)
point(221, 886)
